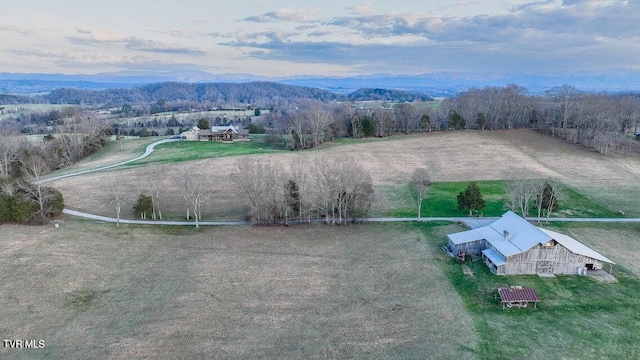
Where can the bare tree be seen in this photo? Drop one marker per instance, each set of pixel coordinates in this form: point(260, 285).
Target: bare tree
point(521, 192)
point(546, 199)
point(420, 182)
point(8, 153)
point(35, 169)
point(342, 188)
point(194, 194)
point(318, 119)
point(117, 202)
point(156, 176)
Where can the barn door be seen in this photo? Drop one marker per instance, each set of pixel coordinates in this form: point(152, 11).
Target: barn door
point(544, 267)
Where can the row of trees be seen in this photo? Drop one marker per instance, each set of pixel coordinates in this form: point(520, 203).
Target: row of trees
point(521, 195)
point(337, 189)
point(310, 123)
point(600, 121)
point(78, 137)
point(24, 164)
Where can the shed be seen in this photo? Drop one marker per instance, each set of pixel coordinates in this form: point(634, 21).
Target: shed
point(517, 296)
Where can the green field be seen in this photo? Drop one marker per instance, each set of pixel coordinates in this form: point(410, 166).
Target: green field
point(197, 150)
point(441, 200)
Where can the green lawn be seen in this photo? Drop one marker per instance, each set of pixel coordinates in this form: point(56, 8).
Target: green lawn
point(441, 200)
point(195, 150)
point(577, 318)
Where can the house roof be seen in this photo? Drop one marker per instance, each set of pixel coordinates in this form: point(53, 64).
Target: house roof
point(215, 129)
point(511, 235)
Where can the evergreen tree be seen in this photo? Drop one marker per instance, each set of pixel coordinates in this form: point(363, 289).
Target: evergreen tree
point(471, 199)
point(203, 123)
point(143, 206)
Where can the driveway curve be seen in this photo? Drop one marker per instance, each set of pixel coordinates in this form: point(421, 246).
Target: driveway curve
point(148, 151)
point(472, 222)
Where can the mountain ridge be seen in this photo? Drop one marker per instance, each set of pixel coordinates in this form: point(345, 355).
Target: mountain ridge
point(433, 84)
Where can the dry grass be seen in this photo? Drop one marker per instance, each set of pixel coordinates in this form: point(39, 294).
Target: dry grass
point(97, 291)
point(113, 153)
point(619, 242)
point(456, 156)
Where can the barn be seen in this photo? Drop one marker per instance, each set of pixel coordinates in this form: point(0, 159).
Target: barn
point(513, 246)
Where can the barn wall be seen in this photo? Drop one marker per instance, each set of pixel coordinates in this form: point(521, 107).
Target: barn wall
point(563, 260)
point(474, 247)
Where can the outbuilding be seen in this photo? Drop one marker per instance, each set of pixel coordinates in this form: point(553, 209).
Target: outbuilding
point(513, 246)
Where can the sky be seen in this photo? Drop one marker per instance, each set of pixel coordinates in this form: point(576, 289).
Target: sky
point(284, 38)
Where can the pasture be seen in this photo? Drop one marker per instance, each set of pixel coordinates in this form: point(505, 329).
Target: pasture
point(96, 291)
point(93, 290)
point(591, 184)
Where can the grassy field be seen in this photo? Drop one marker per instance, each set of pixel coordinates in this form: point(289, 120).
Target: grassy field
point(577, 318)
point(591, 184)
point(96, 291)
point(300, 292)
point(441, 200)
point(197, 150)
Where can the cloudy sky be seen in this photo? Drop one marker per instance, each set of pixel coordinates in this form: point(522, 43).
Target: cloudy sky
point(329, 37)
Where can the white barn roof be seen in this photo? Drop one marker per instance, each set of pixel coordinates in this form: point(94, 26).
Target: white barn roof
point(576, 247)
point(511, 235)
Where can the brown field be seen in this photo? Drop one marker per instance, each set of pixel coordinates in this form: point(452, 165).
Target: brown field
point(96, 291)
point(619, 242)
point(113, 153)
point(612, 181)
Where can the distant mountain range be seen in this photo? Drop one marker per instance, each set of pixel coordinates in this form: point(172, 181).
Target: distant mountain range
point(435, 84)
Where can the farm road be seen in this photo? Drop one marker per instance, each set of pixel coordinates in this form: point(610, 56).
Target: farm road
point(147, 152)
point(469, 221)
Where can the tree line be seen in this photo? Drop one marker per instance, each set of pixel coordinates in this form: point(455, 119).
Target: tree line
point(604, 122)
point(337, 189)
point(261, 93)
point(521, 196)
point(24, 163)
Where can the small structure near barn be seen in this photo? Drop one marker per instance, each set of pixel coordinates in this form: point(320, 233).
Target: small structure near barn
point(517, 296)
point(513, 246)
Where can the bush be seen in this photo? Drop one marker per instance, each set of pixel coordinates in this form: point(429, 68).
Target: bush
point(256, 129)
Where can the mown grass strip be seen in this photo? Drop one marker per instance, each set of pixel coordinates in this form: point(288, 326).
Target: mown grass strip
point(441, 200)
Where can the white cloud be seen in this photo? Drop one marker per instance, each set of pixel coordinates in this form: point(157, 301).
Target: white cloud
point(281, 15)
